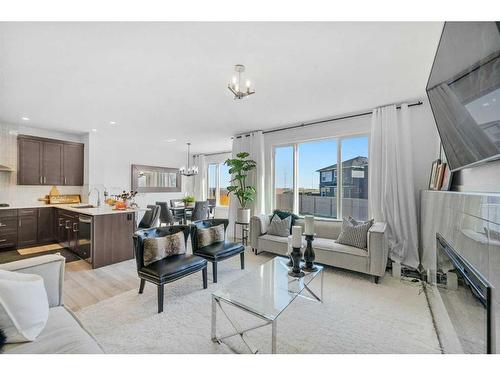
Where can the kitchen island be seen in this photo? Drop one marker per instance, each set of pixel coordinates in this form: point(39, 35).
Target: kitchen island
point(99, 235)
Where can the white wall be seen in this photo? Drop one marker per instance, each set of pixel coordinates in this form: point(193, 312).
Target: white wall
point(12, 193)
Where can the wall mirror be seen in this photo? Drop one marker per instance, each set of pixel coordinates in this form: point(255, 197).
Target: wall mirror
point(151, 179)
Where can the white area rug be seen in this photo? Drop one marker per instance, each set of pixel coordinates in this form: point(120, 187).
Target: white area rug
point(357, 316)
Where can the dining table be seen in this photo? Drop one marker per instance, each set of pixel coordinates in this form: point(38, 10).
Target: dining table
point(185, 209)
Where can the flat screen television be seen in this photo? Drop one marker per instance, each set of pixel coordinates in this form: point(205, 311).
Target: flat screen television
point(464, 92)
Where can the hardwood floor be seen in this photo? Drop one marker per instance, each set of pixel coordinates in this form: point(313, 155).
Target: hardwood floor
point(84, 286)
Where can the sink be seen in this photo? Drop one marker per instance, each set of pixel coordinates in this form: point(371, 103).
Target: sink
point(83, 206)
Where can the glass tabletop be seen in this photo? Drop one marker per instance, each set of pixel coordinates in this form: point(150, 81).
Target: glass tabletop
point(268, 290)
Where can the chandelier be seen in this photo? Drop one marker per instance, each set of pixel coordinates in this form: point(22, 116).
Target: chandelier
point(235, 85)
point(189, 171)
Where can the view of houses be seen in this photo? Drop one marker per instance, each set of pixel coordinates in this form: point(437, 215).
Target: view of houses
point(322, 201)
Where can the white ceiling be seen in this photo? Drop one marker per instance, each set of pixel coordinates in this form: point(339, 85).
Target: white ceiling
point(168, 80)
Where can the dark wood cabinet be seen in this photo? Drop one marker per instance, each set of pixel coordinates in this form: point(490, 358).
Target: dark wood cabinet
point(52, 163)
point(29, 161)
point(8, 229)
point(27, 231)
point(43, 161)
point(73, 154)
point(46, 225)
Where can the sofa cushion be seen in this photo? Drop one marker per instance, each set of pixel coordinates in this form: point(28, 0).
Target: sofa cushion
point(280, 227)
point(24, 307)
point(62, 334)
point(331, 245)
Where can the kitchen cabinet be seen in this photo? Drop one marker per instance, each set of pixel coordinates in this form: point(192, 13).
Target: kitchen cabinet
point(8, 230)
point(45, 225)
point(27, 230)
point(43, 161)
point(73, 154)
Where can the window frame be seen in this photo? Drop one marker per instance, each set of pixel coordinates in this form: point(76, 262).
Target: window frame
point(217, 184)
point(338, 173)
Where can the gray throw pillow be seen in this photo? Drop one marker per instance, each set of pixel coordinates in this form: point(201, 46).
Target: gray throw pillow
point(354, 233)
point(280, 227)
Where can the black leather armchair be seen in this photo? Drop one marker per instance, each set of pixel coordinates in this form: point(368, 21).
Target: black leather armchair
point(170, 268)
point(217, 251)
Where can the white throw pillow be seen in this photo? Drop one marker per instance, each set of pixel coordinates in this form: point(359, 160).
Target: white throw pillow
point(24, 306)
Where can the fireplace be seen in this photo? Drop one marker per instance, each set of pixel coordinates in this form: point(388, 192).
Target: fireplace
point(462, 304)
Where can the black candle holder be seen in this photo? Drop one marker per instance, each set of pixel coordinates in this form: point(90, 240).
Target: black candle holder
point(309, 255)
point(296, 257)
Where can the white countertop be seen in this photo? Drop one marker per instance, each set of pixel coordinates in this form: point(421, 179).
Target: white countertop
point(103, 210)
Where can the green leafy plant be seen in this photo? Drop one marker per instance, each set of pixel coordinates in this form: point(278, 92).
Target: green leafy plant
point(188, 199)
point(239, 168)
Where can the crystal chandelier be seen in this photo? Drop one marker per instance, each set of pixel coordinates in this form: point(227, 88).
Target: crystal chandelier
point(235, 85)
point(189, 171)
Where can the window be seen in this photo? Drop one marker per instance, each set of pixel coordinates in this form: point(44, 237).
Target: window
point(283, 178)
point(218, 181)
point(307, 179)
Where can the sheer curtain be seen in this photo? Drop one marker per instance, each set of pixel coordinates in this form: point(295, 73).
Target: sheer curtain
point(391, 188)
point(200, 180)
point(252, 143)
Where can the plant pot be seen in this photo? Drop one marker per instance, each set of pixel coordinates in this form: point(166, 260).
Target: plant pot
point(243, 215)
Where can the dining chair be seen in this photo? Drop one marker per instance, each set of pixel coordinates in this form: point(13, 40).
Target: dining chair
point(178, 215)
point(212, 202)
point(150, 218)
point(200, 211)
point(166, 215)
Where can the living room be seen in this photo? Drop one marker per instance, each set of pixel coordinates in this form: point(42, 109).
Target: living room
point(196, 187)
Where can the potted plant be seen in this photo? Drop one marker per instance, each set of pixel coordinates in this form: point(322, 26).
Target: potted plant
point(188, 200)
point(239, 168)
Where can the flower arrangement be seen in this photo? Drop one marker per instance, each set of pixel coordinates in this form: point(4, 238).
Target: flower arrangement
point(123, 199)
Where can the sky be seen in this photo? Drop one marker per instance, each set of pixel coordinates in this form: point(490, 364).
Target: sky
point(313, 156)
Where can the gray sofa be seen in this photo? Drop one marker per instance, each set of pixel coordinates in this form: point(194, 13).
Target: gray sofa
point(371, 261)
point(63, 332)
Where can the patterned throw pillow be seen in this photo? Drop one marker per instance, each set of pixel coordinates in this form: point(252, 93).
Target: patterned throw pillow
point(158, 248)
point(208, 236)
point(279, 227)
point(283, 214)
point(354, 233)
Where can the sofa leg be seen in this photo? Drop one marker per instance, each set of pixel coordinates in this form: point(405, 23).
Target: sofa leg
point(141, 287)
point(214, 271)
point(242, 260)
point(204, 274)
point(376, 279)
point(160, 298)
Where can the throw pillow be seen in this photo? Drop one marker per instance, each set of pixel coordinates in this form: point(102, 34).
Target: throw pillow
point(279, 227)
point(208, 236)
point(24, 306)
point(354, 233)
point(284, 214)
point(157, 248)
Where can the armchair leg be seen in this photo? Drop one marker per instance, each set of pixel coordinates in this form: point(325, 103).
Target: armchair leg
point(204, 274)
point(160, 298)
point(214, 271)
point(141, 287)
point(242, 260)
point(376, 279)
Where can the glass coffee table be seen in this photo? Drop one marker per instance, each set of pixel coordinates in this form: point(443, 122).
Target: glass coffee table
point(264, 293)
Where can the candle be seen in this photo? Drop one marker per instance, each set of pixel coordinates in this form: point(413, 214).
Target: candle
point(297, 236)
point(309, 227)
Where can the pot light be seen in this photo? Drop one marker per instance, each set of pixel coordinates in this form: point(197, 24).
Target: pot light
point(94, 130)
point(25, 118)
point(112, 123)
point(170, 140)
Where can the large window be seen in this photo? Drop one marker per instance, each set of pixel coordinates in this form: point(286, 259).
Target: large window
point(218, 181)
point(307, 179)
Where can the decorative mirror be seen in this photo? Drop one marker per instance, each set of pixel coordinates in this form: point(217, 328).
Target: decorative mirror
point(150, 179)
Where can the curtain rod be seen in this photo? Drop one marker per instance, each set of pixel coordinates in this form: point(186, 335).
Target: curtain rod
point(304, 124)
point(213, 153)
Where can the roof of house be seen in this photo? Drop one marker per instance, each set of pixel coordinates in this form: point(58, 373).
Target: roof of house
point(358, 161)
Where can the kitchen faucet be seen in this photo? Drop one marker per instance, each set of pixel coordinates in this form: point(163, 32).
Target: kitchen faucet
point(98, 196)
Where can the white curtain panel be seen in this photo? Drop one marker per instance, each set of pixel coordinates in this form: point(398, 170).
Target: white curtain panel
point(391, 188)
point(252, 143)
point(200, 180)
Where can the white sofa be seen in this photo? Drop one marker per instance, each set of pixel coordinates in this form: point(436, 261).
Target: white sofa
point(371, 261)
point(63, 333)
